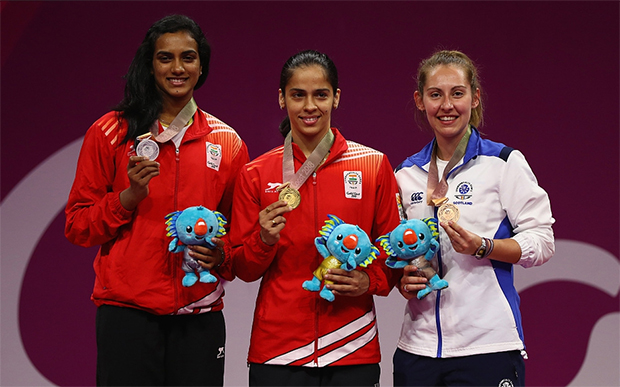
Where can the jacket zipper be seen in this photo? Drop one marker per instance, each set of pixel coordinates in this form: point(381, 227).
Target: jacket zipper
point(437, 300)
point(317, 299)
point(175, 282)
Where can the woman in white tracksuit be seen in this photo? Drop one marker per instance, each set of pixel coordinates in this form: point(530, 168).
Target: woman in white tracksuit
point(469, 333)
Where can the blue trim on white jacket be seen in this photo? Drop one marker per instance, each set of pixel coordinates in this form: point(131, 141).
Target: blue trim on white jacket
point(498, 196)
point(475, 147)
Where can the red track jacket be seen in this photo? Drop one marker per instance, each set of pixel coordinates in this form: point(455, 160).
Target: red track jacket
point(133, 266)
point(293, 326)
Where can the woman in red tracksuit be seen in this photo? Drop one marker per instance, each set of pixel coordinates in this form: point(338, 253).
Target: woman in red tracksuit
point(152, 330)
point(299, 338)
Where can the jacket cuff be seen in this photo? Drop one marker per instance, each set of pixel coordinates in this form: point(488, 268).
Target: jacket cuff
point(261, 247)
point(118, 209)
point(225, 268)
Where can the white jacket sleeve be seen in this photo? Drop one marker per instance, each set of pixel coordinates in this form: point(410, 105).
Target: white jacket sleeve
point(529, 211)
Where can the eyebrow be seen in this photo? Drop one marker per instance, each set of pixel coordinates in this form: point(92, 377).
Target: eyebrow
point(455, 87)
point(191, 51)
point(304, 90)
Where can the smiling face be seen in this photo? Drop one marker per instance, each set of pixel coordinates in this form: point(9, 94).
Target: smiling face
point(176, 66)
point(309, 99)
point(447, 100)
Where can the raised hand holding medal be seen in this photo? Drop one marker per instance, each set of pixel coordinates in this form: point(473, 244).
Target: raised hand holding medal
point(289, 195)
point(146, 147)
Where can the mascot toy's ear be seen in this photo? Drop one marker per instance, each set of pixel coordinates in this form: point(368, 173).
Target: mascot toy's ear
point(374, 251)
point(431, 223)
point(221, 220)
point(171, 228)
point(384, 241)
point(330, 225)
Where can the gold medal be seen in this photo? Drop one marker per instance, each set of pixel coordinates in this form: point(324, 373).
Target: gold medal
point(448, 212)
point(291, 196)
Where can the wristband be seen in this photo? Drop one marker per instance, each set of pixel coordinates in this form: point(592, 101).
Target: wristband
point(490, 246)
point(482, 250)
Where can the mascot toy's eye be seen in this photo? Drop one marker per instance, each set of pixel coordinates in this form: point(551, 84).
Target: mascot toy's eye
point(400, 244)
point(339, 237)
point(421, 236)
point(358, 250)
point(210, 229)
point(188, 228)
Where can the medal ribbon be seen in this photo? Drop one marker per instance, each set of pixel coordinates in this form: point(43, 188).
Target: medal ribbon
point(296, 180)
point(177, 124)
point(436, 189)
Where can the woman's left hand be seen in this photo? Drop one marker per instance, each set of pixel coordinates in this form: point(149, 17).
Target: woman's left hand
point(347, 283)
point(206, 257)
point(463, 241)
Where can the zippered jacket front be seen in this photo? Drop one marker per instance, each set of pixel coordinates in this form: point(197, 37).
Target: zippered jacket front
point(498, 197)
point(133, 266)
point(293, 326)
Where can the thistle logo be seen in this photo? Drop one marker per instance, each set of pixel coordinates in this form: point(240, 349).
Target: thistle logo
point(353, 184)
point(214, 155)
point(464, 190)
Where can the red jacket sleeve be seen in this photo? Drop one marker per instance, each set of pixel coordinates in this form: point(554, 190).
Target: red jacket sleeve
point(94, 213)
point(383, 278)
point(251, 256)
point(241, 158)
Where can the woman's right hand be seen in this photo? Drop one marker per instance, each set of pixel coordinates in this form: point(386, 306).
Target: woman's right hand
point(272, 221)
point(411, 282)
point(140, 171)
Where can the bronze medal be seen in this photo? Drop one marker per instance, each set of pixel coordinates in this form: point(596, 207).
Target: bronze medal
point(448, 212)
point(291, 196)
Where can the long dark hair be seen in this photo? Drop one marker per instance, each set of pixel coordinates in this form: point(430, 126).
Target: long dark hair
point(142, 102)
point(304, 59)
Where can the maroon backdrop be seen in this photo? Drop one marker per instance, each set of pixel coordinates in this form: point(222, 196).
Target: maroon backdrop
point(549, 71)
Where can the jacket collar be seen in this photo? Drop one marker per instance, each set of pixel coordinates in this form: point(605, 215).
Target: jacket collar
point(199, 128)
point(423, 158)
point(338, 148)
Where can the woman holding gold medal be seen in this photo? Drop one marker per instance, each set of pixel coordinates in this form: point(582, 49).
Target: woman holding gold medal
point(493, 215)
point(282, 200)
point(147, 158)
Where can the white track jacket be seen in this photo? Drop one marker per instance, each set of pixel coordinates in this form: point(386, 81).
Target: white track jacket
point(498, 197)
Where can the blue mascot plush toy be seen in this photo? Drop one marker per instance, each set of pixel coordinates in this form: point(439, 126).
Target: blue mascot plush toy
point(194, 226)
point(415, 242)
point(342, 245)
